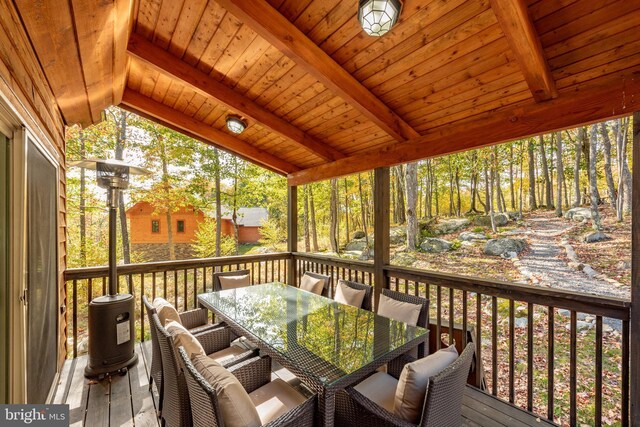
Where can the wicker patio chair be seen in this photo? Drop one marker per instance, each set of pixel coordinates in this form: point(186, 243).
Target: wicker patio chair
point(366, 301)
point(175, 400)
point(442, 403)
point(252, 374)
point(327, 290)
point(216, 277)
point(423, 318)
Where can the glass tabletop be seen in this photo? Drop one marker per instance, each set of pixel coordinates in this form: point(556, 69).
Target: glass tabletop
point(328, 339)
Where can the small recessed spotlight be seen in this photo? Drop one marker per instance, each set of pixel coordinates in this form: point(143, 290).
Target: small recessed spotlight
point(235, 124)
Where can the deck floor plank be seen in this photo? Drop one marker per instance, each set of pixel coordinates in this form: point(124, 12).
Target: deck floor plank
point(126, 401)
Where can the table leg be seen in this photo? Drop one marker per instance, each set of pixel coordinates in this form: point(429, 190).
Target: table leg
point(327, 407)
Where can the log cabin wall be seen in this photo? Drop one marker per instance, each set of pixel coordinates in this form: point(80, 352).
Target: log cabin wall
point(26, 92)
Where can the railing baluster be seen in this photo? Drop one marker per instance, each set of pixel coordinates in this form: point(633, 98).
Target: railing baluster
point(625, 373)
point(530, 357)
point(185, 303)
point(464, 318)
point(130, 283)
point(175, 287)
point(195, 287)
point(598, 414)
point(512, 350)
point(494, 345)
point(153, 282)
point(89, 290)
point(104, 285)
point(164, 284)
point(451, 316)
point(75, 318)
point(204, 279)
point(439, 318)
point(550, 361)
point(572, 368)
point(141, 307)
point(478, 335)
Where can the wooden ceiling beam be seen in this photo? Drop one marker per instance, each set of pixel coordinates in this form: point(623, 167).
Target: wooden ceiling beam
point(285, 36)
point(523, 40)
point(173, 67)
point(167, 116)
point(608, 97)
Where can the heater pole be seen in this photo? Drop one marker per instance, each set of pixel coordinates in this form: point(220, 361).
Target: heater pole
point(112, 194)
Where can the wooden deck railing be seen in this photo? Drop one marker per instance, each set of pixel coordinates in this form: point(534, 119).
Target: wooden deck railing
point(568, 361)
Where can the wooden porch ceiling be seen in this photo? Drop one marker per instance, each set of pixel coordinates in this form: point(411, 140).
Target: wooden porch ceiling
point(322, 98)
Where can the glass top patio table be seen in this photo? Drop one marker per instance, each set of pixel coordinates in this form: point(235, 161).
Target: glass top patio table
point(328, 340)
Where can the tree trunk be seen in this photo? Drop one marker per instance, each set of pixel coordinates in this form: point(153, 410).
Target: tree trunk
point(593, 177)
point(121, 138)
point(496, 178)
point(234, 217)
point(576, 168)
point(333, 213)
point(216, 156)
point(428, 191)
point(489, 171)
point(532, 177)
point(362, 211)
point(560, 174)
point(346, 208)
point(400, 207)
point(623, 206)
point(606, 143)
point(434, 184)
point(521, 178)
point(411, 179)
point(312, 219)
point(458, 201)
point(548, 191)
point(83, 210)
point(305, 219)
point(511, 188)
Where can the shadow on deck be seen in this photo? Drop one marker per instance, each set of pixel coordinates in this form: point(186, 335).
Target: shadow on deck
point(125, 400)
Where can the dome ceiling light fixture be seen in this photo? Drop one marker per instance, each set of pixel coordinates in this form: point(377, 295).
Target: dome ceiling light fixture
point(235, 124)
point(378, 16)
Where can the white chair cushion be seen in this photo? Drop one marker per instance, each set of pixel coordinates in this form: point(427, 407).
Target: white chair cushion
point(414, 380)
point(312, 284)
point(182, 337)
point(166, 311)
point(380, 388)
point(399, 310)
point(274, 399)
point(236, 408)
point(227, 353)
point(347, 295)
point(234, 282)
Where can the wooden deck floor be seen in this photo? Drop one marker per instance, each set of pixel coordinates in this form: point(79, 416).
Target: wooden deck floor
point(126, 400)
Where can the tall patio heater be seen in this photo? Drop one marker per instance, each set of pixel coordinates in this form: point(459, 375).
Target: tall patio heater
point(112, 316)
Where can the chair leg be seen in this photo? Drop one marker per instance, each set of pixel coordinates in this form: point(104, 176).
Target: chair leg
point(150, 382)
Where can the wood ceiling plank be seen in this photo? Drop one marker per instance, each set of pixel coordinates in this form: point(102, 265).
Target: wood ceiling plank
point(166, 63)
point(147, 17)
point(604, 98)
point(239, 44)
point(167, 21)
point(614, 66)
point(258, 70)
point(279, 78)
point(245, 60)
point(558, 19)
point(122, 23)
point(521, 35)
point(291, 9)
point(275, 28)
point(183, 123)
point(542, 9)
point(188, 23)
point(161, 88)
point(293, 89)
point(205, 31)
point(227, 29)
point(58, 55)
point(467, 37)
point(331, 22)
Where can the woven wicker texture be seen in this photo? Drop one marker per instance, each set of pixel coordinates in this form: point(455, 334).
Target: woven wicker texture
point(155, 373)
point(423, 318)
point(252, 374)
point(216, 277)
point(442, 406)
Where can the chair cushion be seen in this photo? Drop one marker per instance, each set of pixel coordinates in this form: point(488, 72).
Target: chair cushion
point(234, 403)
point(414, 380)
point(347, 295)
point(182, 337)
point(166, 311)
point(312, 284)
point(227, 353)
point(274, 399)
point(380, 388)
point(399, 310)
point(234, 282)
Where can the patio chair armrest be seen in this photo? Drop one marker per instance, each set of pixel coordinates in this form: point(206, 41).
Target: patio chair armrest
point(253, 373)
point(249, 354)
point(395, 366)
point(372, 409)
point(194, 318)
point(300, 416)
point(215, 339)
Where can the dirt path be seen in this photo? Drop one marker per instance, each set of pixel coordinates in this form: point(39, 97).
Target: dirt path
point(545, 261)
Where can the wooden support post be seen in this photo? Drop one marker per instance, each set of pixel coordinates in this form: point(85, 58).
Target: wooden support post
point(635, 278)
point(381, 200)
point(292, 232)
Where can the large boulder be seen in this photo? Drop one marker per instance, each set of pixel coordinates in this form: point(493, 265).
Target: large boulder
point(358, 235)
point(450, 225)
point(500, 220)
point(435, 246)
point(405, 259)
point(499, 247)
point(467, 236)
point(581, 213)
point(356, 245)
point(397, 235)
point(597, 236)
